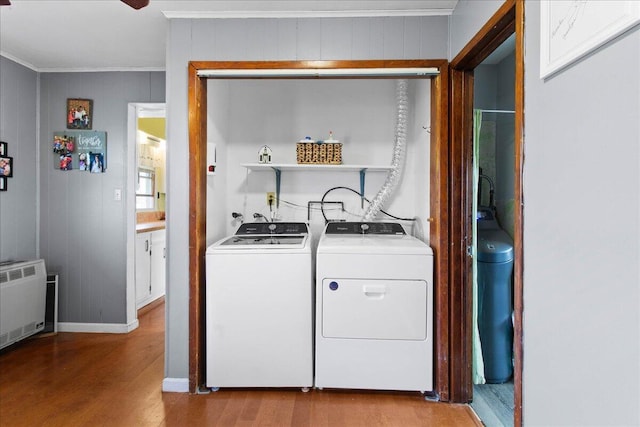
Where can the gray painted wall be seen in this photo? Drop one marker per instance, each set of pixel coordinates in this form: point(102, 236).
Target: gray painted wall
point(82, 233)
point(581, 230)
point(485, 88)
point(260, 39)
point(467, 19)
point(582, 236)
point(505, 142)
point(18, 127)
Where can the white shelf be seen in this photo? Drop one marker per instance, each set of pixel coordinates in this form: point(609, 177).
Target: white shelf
point(312, 167)
point(279, 167)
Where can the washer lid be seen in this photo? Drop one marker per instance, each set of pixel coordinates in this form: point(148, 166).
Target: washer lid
point(270, 240)
point(260, 243)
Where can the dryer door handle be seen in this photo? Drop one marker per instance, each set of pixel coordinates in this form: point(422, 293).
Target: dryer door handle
point(374, 291)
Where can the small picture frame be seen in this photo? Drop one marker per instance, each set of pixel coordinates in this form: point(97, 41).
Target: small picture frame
point(6, 166)
point(66, 162)
point(3, 183)
point(3, 149)
point(97, 163)
point(79, 113)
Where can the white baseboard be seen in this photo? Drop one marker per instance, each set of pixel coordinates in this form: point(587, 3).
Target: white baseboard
point(175, 385)
point(98, 328)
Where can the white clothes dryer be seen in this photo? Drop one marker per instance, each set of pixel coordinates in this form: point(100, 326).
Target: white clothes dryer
point(259, 308)
point(374, 308)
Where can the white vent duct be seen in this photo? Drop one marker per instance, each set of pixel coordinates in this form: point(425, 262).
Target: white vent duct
point(399, 151)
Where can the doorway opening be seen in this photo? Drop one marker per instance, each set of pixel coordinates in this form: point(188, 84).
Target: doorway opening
point(467, 69)
point(145, 201)
point(492, 263)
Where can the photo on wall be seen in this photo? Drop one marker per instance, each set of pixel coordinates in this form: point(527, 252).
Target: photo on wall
point(75, 149)
point(79, 113)
point(83, 162)
point(3, 149)
point(97, 162)
point(66, 162)
point(88, 145)
point(6, 166)
point(3, 183)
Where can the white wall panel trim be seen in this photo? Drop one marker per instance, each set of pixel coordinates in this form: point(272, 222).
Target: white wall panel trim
point(175, 385)
point(98, 328)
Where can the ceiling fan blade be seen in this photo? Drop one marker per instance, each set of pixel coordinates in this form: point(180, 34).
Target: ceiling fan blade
point(136, 4)
point(5, 3)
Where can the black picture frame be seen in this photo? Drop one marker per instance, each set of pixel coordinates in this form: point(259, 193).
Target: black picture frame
point(3, 149)
point(3, 183)
point(4, 161)
point(79, 113)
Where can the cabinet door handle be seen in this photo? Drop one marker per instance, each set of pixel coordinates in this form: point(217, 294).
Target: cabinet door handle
point(146, 245)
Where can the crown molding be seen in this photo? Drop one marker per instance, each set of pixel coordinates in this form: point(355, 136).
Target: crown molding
point(379, 13)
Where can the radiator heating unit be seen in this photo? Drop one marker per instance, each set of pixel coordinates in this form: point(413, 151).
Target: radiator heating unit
point(23, 288)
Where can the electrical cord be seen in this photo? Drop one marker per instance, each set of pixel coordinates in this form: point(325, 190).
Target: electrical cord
point(306, 207)
point(358, 193)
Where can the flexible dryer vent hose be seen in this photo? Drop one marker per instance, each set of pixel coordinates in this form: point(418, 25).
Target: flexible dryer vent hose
point(399, 151)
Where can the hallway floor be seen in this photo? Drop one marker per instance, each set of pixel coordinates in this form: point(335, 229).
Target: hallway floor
point(116, 380)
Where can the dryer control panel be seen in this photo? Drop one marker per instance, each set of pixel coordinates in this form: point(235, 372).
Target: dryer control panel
point(391, 228)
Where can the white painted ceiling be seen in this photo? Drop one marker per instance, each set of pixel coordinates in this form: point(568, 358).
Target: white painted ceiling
point(103, 35)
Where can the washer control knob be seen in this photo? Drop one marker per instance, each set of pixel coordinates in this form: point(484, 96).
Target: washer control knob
point(364, 227)
point(272, 227)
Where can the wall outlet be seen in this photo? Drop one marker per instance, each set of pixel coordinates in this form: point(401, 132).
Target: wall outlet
point(271, 198)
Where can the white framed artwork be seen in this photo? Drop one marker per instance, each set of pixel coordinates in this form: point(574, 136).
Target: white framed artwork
point(570, 29)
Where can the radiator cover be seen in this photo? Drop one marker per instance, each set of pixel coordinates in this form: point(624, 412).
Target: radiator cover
point(23, 287)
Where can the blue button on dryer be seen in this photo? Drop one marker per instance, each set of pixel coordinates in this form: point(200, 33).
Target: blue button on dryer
point(333, 286)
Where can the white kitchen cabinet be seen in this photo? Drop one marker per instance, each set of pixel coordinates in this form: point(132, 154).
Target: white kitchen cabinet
point(150, 266)
point(158, 263)
point(143, 268)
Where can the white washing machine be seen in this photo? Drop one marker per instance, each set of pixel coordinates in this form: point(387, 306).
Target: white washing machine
point(374, 315)
point(259, 307)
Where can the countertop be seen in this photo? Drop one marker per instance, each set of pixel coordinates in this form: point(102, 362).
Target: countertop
point(144, 227)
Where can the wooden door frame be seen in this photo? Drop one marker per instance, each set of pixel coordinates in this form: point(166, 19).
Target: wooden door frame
point(509, 19)
point(439, 207)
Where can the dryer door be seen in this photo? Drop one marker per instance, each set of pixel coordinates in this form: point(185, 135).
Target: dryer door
point(374, 309)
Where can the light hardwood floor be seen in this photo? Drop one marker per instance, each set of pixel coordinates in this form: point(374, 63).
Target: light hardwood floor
point(72, 379)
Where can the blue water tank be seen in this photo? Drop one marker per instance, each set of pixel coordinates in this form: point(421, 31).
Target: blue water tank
point(495, 268)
